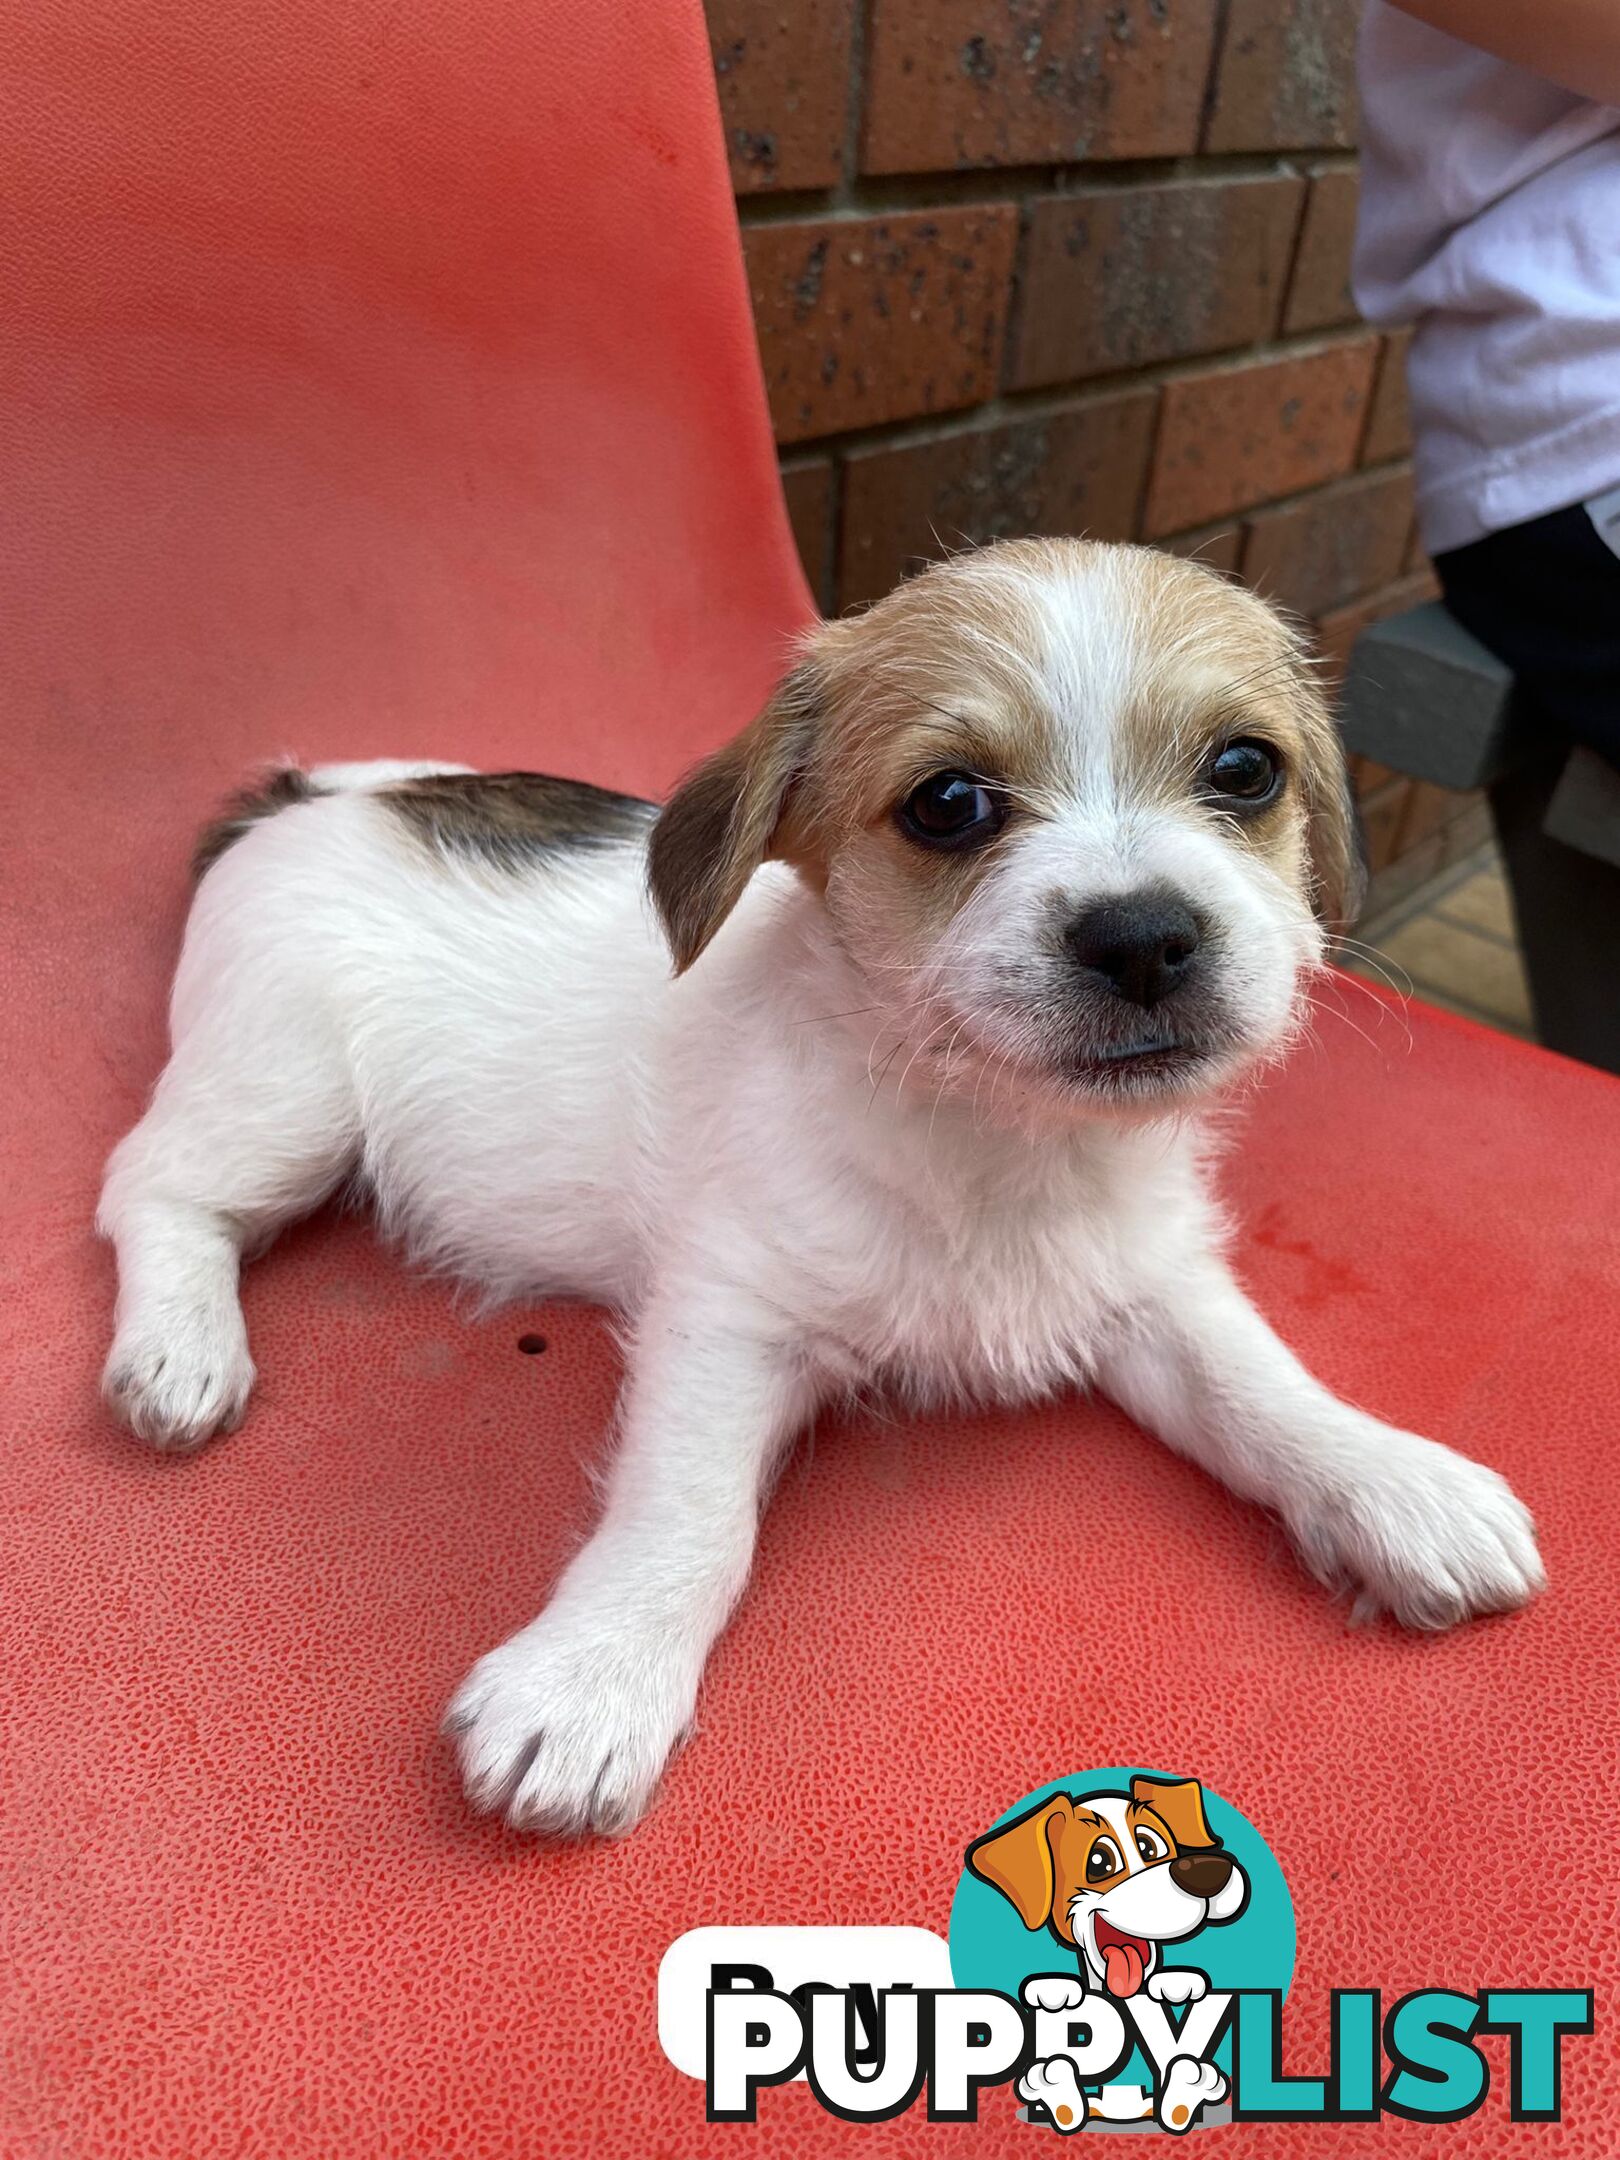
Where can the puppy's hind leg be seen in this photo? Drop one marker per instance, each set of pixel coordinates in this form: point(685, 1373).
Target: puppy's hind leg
point(252, 1123)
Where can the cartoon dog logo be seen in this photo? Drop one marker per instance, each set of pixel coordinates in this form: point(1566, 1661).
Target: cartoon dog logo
point(1113, 1876)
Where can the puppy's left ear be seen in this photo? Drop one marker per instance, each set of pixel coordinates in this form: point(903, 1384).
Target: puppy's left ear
point(1019, 1862)
point(1333, 830)
point(1179, 1803)
point(727, 814)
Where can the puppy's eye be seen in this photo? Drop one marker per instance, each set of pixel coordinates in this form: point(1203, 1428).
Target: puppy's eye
point(1103, 1860)
point(1246, 771)
point(952, 810)
point(1151, 1846)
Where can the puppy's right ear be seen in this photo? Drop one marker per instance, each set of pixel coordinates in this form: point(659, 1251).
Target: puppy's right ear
point(1018, 1860)
point(726, 816)
point(1179, 1804)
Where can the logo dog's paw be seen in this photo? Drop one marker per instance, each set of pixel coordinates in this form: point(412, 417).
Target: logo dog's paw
point(1054, 2084)
point(1188, 2086)
point(1178, 1984)
point(1054, 1991)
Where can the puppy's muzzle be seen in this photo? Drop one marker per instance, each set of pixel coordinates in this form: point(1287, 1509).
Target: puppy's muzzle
point(1139, 949)
point(1201, 1875)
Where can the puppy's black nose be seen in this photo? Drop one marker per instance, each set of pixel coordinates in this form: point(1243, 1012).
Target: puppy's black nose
point(1201, 1874)
point(1140, 946)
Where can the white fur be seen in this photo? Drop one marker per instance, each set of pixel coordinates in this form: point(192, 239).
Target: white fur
point(1188, 2086)
point(782, 1211)
point(1055, 2085)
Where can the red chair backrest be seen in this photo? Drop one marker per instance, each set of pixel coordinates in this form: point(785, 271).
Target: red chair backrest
point(375, 378)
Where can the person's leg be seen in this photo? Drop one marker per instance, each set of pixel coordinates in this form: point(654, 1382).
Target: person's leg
point(1545, 598)
point(1568, 908)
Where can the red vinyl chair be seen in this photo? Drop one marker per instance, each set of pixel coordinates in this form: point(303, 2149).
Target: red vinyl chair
point(380, 379)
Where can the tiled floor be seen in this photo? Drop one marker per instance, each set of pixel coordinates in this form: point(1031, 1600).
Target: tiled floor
point(1453, 943)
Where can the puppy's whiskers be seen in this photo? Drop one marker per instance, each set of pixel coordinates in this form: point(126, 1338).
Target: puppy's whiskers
point(1374, 957)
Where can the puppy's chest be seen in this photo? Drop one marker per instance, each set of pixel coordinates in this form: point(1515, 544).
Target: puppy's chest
point(1001, 1304)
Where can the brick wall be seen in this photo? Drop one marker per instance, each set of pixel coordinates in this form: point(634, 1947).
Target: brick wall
point(1076, 266)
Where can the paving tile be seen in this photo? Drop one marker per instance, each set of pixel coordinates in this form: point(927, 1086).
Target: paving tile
point(1460, 964)
point(1483, 902)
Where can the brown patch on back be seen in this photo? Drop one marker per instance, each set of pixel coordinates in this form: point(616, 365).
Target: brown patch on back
point(514, 819)
point(286, 785)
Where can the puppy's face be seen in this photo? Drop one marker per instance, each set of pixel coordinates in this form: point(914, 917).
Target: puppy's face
point(1074, 811)
point(1115, 1875)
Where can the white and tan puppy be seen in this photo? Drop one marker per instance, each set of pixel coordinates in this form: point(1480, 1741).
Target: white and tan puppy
point(1014, 874)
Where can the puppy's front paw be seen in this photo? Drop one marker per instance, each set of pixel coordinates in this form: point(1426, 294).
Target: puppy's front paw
point(1178, 1984)
point(1054, 2085)
point(1423, 1533)
point(1188, 2086)
point(176, 1384)
point(1054, 1991)
point(567, 1727)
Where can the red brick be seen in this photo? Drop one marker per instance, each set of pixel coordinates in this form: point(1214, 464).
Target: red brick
point(1319, 552)
point(1079, 470)
point(862, 320)
point(783, 75)
point(957, 83)
point(1287, 76)
point(1415, 861)
point(807, 488)
point(1389, 425)
point(1218, 546)
point(1120, 277)
point(1233, 436)
point(1319, 294)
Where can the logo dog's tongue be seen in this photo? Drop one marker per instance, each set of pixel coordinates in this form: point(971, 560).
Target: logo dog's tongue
point(1123, 1967)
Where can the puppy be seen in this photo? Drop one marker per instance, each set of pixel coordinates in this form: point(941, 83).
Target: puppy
point(1113, 1876)
point(1015, 874)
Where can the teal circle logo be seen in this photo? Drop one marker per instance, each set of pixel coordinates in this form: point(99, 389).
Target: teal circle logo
point(1140, 1885)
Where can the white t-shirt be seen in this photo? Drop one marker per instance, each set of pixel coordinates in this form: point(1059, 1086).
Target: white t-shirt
point(1490, 219)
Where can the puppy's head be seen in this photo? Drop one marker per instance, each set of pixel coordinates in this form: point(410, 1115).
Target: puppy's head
point(1079, 809)
point(1114, 1875)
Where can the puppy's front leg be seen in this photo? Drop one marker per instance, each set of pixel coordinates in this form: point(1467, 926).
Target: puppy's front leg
point(1409, 1526)
point(567, 1726)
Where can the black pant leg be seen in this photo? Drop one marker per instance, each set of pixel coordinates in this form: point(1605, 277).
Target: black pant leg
point(1545, 598)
